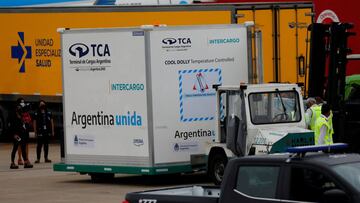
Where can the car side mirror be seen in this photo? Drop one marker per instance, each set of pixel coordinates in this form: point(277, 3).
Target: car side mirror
point(335, 196)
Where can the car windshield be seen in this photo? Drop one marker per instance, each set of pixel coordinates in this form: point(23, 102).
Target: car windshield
point(274, 107)
point(350, 172)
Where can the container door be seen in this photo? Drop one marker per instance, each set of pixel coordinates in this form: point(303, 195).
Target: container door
point(264, 27)
point(283, 53)
point(293, 44)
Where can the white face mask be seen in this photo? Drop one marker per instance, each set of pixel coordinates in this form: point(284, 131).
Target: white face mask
point(22, 104)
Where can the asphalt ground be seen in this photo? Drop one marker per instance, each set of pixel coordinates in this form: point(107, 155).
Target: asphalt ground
point(41, 184)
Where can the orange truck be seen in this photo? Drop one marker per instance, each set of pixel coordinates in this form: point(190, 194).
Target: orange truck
point(30, 65)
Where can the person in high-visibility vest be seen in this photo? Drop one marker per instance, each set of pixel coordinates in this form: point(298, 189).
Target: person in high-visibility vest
point(312, 113)
point(323, 127)
point(308, 113)
point(330, 122)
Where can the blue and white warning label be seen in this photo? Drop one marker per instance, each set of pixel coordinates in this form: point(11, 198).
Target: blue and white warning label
point(197, 97)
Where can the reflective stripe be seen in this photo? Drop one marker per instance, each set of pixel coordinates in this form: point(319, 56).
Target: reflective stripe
point(267, 199)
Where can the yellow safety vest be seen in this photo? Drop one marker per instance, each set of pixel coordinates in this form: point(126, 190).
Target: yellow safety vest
point(316, 112)
point(331, 123)
point(328, 136)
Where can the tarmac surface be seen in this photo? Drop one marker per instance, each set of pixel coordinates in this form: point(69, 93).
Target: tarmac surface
point(41, 184)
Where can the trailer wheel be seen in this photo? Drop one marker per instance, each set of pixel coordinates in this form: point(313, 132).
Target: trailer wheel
point(101, 177)
point(216, 170)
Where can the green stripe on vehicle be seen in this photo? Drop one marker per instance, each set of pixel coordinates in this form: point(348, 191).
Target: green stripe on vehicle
point(121, 169)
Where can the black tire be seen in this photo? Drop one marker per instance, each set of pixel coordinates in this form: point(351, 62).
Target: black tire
point(216, 169)
point(101, 177)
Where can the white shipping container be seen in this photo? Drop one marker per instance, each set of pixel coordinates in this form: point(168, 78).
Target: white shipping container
point(140, 100)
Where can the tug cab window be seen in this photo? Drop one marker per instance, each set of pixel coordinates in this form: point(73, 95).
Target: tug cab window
point(274, 107)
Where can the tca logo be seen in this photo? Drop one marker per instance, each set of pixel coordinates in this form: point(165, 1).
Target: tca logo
point(79, 50)
point(171, 41)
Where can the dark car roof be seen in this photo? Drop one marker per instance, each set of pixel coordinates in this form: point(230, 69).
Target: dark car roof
point(318, 158)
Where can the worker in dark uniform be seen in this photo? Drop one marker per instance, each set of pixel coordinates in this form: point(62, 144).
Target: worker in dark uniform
point(44, 128)
point(19, 132)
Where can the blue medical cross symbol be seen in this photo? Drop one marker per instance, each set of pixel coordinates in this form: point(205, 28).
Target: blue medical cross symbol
point(21, 52)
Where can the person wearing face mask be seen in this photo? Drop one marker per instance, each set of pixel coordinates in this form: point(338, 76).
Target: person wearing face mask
point(25, 116)
point(43, 128)
point(19, 131)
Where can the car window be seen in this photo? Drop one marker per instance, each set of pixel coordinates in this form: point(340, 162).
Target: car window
point(309, 185)
point(258, 181)
point(350, 172)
